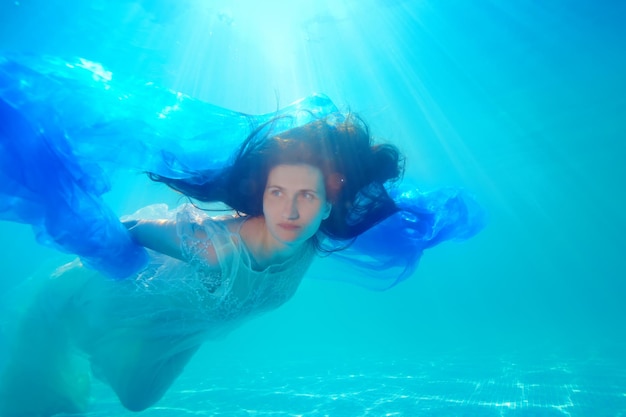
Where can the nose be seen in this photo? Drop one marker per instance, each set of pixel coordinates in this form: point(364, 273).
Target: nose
point(290, 210)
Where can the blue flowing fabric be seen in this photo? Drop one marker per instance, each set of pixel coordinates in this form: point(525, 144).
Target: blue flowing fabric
point(65, 125)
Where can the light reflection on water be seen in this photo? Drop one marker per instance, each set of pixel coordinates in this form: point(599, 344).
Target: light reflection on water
point(446, 386)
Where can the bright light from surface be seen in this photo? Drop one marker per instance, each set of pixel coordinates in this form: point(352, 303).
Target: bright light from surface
point(268, 50)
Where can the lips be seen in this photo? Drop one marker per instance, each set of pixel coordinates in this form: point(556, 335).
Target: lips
point(288, 226)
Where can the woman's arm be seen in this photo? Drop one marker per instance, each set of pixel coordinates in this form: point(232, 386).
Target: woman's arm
point(164, 236)
point(158, 235)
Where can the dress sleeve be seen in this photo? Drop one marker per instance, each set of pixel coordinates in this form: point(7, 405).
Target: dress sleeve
point(207, 244)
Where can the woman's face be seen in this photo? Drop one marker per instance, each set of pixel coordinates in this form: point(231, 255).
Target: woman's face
point(294, 203)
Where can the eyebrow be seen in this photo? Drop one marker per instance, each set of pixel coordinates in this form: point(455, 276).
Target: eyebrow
point(306, 190)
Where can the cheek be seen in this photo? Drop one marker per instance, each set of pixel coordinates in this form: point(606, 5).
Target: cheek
point(316, 214)
point(311, 227)
point(269, 206)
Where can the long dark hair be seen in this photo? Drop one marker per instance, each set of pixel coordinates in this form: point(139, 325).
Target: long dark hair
point(354, 169)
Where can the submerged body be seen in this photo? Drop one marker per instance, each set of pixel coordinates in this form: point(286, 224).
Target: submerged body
point(138, 334)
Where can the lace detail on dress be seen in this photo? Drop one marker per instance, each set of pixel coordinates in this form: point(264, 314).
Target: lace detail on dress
point(206, 244)
point(217, 279)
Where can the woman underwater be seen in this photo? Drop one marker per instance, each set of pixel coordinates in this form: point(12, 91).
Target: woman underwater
point(304, 182)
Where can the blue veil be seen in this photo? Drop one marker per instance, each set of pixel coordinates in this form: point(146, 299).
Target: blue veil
point(66, 125)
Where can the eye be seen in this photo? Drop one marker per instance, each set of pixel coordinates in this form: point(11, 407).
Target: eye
point(308, 196)
point(275, 192)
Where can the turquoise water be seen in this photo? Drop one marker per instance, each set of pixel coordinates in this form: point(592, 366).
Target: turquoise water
point(523, 104)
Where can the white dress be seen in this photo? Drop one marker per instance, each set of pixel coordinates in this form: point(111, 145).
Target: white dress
point(138, 334)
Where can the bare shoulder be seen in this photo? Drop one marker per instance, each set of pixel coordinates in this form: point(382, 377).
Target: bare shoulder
point(250, 228)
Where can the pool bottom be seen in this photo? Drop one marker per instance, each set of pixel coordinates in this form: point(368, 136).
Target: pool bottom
point(447, 386)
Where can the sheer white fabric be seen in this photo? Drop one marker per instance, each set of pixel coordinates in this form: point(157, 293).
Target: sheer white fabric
point(138, 334)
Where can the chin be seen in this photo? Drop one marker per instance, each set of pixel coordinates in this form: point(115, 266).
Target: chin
point(292, 240)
